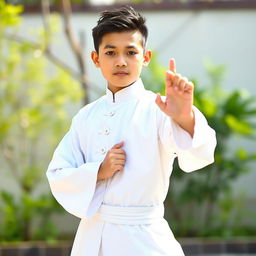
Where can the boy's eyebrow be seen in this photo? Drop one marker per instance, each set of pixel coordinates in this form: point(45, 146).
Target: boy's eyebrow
point(109, 46)
point(131, 47)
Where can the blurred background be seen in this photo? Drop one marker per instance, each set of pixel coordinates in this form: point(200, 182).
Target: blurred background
point(46, 75)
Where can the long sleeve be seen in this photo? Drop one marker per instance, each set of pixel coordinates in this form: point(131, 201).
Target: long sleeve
point(193, 153)
point(73, 181)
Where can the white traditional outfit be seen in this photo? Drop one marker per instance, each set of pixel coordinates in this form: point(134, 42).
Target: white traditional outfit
point(123, 215)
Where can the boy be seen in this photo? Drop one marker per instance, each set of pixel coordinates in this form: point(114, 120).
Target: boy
point(112, 168)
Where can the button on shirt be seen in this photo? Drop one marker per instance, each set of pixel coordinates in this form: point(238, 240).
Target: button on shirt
point(151, 142)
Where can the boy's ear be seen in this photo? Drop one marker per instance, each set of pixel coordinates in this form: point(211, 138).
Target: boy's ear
point(147, 58)
point(95, 58)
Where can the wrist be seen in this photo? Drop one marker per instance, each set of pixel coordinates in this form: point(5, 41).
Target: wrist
point(100, 175)
point(186, 122)
point(185, 118)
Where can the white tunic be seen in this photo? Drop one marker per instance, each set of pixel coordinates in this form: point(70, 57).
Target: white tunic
point(123, 216)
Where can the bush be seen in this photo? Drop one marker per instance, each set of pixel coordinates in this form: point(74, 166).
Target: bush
point(33, 96)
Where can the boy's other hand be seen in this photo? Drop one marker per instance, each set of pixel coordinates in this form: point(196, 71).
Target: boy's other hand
point(114, 162)
point(179, 99)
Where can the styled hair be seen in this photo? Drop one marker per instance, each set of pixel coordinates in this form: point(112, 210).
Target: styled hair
point(119, 20)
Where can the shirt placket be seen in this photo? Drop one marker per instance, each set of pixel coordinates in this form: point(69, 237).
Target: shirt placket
point(106, 133)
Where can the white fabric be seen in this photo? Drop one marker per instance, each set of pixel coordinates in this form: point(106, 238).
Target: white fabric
point(151, 142)
point(130, 215)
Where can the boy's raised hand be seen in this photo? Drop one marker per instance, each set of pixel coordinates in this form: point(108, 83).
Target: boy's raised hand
point(114, 161)
point(179, 99)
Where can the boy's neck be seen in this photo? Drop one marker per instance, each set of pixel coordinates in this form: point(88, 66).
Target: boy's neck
point(117, 89)
point(131, 91)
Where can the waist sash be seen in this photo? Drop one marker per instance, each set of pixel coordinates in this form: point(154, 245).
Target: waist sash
point(126, 215)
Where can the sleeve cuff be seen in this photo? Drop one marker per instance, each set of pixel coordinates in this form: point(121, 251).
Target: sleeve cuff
point(182, 138)
point(74, 188)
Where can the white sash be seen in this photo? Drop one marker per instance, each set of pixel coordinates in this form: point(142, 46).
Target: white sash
point(135, 215)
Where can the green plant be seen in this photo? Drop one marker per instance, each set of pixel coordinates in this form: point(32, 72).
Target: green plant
point(195, 202)
point(33, 97)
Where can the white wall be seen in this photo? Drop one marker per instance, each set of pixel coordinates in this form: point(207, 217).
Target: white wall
point(225, 37)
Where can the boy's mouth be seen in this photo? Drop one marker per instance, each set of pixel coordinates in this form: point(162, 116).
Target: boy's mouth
point(121, 73)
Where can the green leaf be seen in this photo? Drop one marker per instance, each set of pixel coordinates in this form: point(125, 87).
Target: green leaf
point(237, 125)
point(242, 154)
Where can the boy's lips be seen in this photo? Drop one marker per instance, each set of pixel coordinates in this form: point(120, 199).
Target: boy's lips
point(121, 73)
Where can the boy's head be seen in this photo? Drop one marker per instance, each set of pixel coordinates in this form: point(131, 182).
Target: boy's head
point(119, 40)
point(119, 20)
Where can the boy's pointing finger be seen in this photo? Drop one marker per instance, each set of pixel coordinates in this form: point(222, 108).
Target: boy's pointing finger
point(172, 65)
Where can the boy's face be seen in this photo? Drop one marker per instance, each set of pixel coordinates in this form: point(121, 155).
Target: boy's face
point(121, 57)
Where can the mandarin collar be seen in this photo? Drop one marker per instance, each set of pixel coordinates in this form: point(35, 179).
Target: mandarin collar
point(133, 91)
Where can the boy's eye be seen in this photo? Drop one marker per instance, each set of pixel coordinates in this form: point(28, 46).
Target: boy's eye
point(111, 53)
point(132, 53)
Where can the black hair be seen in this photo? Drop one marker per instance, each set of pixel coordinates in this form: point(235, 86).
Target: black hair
point(119, 20)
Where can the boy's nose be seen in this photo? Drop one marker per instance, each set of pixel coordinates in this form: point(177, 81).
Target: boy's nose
point(121, 62)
